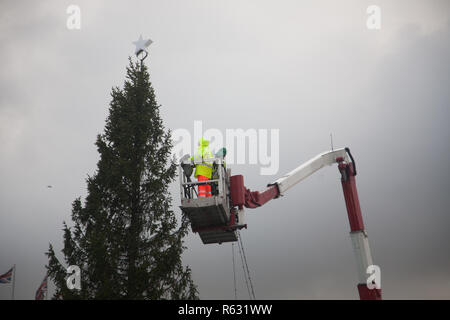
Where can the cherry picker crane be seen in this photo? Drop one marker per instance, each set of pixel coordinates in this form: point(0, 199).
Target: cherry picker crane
point(217, 218)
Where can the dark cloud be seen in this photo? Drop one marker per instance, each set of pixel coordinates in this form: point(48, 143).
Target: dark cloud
point(303, 69)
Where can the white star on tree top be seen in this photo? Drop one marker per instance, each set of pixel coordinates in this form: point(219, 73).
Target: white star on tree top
point(141, 45)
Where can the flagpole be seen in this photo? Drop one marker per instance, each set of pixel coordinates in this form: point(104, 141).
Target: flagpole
point(14, 282)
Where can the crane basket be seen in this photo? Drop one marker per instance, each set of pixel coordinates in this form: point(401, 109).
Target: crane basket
point(214, 218)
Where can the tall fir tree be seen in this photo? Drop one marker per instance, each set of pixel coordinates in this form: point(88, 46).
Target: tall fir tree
point(125, 237)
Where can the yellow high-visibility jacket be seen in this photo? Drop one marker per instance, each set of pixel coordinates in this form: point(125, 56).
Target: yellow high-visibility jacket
point(203, 154)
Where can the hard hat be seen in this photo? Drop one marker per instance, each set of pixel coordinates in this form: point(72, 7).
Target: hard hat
point(203, 142)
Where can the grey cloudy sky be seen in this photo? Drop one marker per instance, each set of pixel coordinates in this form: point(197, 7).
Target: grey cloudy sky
point(307, 68)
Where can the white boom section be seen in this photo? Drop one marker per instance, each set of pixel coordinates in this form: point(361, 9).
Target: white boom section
point(361, 249)
point(308, 168)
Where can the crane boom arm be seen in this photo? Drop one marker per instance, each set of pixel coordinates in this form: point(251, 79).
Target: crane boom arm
point(241, 196)
point(308, 168)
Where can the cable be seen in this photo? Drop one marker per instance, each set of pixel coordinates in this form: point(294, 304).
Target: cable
point(246, 265)
point(243, 268)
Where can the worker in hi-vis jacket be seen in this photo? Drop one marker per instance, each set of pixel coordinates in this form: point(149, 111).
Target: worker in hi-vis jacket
point(203, 170)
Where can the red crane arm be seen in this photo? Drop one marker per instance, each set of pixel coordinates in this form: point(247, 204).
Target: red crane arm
point(241, 196)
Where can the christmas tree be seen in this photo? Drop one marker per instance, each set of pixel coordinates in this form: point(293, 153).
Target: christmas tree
point(125, 238)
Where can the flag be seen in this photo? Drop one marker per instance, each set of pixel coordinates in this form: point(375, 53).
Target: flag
point(40, 293)
point(7, 277)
